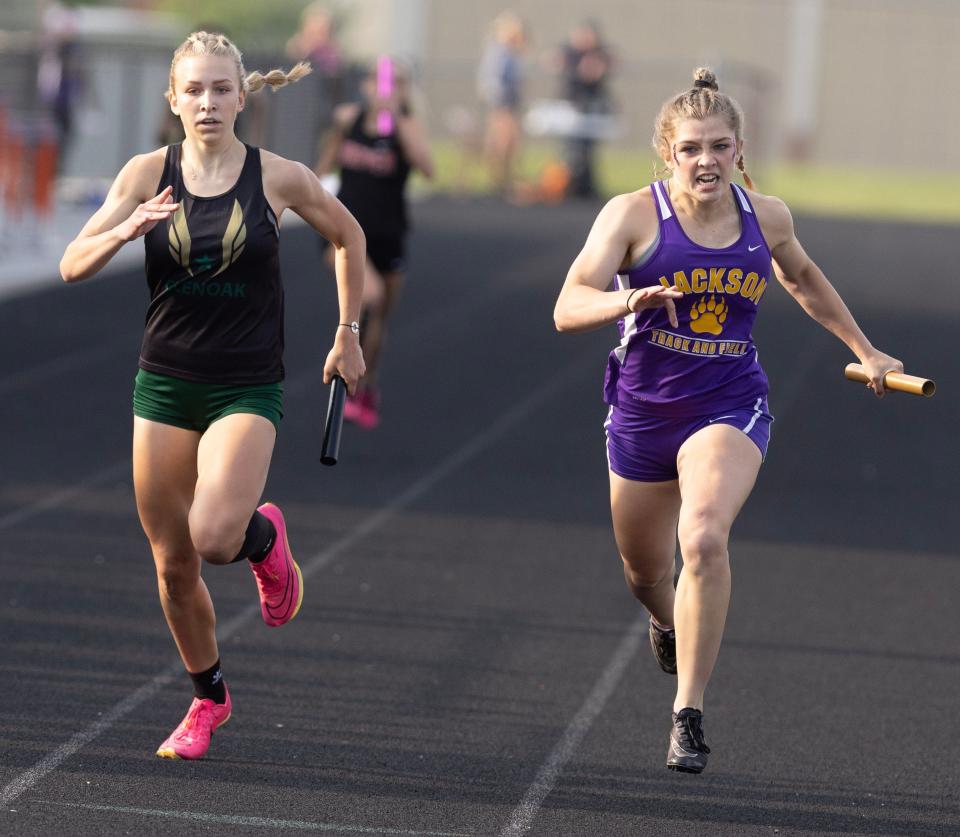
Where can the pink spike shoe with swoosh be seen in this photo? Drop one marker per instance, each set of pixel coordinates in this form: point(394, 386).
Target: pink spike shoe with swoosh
point(191, 739)
point(279, 579)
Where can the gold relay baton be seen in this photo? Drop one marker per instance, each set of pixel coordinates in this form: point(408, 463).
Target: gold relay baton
point(893, 380)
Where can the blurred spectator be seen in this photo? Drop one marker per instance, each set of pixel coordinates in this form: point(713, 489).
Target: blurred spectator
point(60, 71)
point(465, 129)
point(315, 41)
point(500, 86)
point(584, 63)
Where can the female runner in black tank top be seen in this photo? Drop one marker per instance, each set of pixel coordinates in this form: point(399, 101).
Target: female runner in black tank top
point(374, 167)
point(214, 338)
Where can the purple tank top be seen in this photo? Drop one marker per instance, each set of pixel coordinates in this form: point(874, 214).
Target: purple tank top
point(709, 362)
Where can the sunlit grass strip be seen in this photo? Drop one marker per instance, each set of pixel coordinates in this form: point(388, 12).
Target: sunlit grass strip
point(879, 194)
point(866, 193)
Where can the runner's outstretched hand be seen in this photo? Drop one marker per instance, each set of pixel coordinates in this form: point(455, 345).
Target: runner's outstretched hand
point(147, 215)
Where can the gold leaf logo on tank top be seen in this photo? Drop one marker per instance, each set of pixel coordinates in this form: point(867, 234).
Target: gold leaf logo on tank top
point(178, 239)
point(234, 238)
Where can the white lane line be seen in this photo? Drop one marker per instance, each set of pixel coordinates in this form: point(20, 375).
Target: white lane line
point(543, 784)
point(483, 298)
point(65, 495)
point(257, 822)
point(475, 446)
point(302, 384)
point(30, 777)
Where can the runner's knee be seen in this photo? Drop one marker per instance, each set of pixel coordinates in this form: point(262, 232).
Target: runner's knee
point(642, 576)
point(703, 545)
point(216, 539)
point(177, 579)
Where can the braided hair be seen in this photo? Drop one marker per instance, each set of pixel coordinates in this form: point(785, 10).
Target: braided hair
point(703, 99)
point(214, 43)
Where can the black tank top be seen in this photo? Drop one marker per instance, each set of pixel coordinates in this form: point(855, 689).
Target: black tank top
point(373, 175)
point(213, 270)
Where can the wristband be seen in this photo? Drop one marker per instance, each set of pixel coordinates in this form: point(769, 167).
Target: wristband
point(354, 326)
point(629, 297)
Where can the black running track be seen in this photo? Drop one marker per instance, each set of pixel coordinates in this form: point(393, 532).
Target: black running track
point(467, 660)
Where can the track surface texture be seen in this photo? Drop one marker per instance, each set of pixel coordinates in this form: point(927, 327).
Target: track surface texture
point(467, 660)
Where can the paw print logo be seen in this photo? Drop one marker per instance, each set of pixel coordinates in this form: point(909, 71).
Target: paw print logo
point(708, 315)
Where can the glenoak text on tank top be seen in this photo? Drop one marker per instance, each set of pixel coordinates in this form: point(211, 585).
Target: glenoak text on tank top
point(373, 176)
point(213, 271)
point(709, 362)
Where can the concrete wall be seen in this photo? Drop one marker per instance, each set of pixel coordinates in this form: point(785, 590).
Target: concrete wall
point(890, 75)
point(873, 93)
point(852, 82)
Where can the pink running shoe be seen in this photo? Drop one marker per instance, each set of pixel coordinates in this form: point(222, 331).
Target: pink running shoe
point(353, 408)
point(191, 739)
point(369, 415)
point(279, 579)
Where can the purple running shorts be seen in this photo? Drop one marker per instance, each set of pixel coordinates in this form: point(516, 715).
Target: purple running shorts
point(644, 448)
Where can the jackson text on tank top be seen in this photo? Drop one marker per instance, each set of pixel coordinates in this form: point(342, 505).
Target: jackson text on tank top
point(213, 271)
point(709, 362)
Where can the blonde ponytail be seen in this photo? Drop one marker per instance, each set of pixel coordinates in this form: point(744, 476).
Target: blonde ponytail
point(213, 43)
point(275, 79)
point(746, 177)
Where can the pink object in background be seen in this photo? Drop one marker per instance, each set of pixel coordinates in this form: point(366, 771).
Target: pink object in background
point(384, 91)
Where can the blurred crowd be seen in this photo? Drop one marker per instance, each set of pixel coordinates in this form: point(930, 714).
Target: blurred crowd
point(491, 129)
point(580, 115)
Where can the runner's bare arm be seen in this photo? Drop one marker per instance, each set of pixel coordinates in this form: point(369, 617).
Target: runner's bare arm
point(343, 117)
point(584, 304)
point(291, 185)
point(808, 285)
point(416, 147)
point(130, 210)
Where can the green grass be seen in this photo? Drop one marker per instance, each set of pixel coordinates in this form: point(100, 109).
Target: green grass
point(879, 194)
point(866, 193)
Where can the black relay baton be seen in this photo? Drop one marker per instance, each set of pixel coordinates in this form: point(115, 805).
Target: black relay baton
point(330, 450)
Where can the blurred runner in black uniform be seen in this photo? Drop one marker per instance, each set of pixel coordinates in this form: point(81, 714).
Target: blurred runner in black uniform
point(375, 144)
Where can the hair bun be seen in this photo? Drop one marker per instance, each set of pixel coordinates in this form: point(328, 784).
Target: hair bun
point(703, 77)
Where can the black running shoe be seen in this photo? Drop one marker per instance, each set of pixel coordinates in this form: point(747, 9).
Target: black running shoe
point(664, 645)
point(688, 751)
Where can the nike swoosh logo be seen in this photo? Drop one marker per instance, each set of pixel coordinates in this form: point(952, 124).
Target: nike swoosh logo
point(721, 418)
point(755, 247)
point(679, 751)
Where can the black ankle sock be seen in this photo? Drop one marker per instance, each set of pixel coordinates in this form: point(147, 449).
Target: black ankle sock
point(209, 684)
point(257, 543)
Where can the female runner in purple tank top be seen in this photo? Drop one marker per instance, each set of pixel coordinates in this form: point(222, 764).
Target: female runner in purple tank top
point(688, 425)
